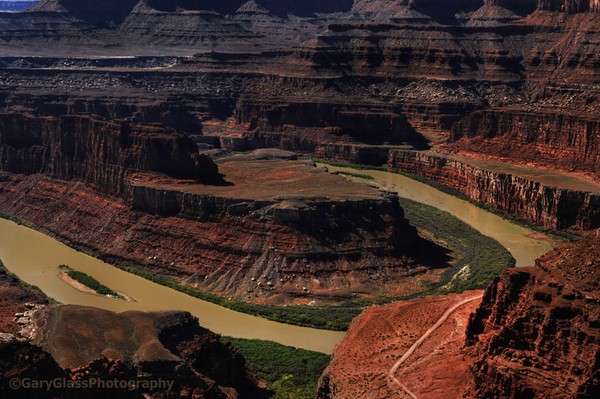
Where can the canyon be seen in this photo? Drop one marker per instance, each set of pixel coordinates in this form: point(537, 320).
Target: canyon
point(230, 228)
point(120, 124)
point(535, 201)
point(487, 341)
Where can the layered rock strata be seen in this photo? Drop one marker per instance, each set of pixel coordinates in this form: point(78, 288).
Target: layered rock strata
point(566, 141)
point(97, 151)
point(547, 206)
point(536, 331)
point(534, 334)
point(246, 235)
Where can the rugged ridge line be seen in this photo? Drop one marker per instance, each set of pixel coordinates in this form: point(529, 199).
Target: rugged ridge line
point(535, 333)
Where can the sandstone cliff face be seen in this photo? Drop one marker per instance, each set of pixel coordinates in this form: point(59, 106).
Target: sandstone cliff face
point(568, 6)
point(366, 123)
point(100, 152)
point(536, 331)
point(559, 140)
point(219, 244)
point(533, 201)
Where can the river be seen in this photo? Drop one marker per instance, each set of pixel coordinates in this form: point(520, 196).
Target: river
point(524, 244)
point(34, 257)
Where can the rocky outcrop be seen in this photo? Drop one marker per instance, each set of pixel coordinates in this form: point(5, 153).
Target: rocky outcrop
point(547, 206)
point(150, 354)
point(536, 331)
point(534, 334)
point(233, 245)
point(15, 299)
point(100, 152)
point(26, 362)
point(568, 6)
point(361, 122)
point(567, 141)
point(102, 13)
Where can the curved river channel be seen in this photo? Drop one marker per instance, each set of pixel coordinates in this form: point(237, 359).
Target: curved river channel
point(34, 257)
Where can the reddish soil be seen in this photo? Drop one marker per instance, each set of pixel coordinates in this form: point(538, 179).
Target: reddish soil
point(13, 297)
point(267, 180)
point(533, 334)
point(381, 335)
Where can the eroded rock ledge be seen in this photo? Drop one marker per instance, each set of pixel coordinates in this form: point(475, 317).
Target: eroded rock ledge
point(536, 332)
point(100, 152)
point(78, 343)
point(544, 205)
point(151, 199)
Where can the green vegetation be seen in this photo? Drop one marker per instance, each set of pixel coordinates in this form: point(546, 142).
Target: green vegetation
point(335, 318)
point(289, 372)
point(29, 287)
point(554, 233)
point(358, 166)
point(89, 282)
point(18, 220)
point(478, 258)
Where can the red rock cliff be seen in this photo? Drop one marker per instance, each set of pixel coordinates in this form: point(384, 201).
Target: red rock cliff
point(564, 141)
point(531, 200)
point(536, 332)
point(100, 152)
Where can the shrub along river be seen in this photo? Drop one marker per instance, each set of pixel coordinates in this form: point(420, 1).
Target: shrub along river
point(35, 257)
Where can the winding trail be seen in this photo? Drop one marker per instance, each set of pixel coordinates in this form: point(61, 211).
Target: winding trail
point(423, 337)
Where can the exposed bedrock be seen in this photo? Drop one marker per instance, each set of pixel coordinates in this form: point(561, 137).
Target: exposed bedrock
point(366, 123)
point(216, 236)
point(23, 360)
point(78, 343)
point(531, 200)
point(559, 140)
point(569, 6)
point(308, 142)
point(381, 335)
point(536, 333)
point(227, 245)
point(13, 297)
point(100, 152)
